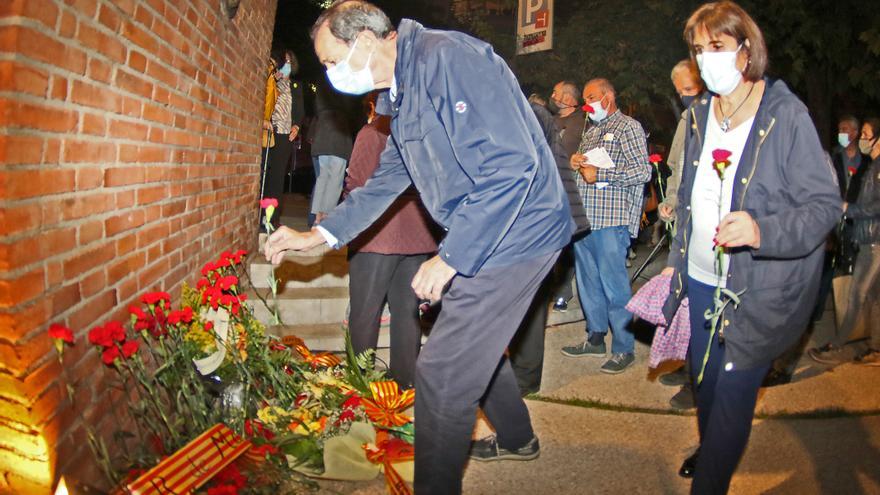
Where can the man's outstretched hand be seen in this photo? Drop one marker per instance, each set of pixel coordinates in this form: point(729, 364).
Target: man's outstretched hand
point(286, 239)
point(431, 278)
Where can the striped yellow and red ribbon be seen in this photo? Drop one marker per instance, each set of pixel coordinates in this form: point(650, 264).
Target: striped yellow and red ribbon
point(316, 360)
point(387, 403)
point(387, 451)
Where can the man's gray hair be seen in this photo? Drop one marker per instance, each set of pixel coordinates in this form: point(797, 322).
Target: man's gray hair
point(852, 120)
point(348, 18)
point(688, 66)
point(570, 88)
point(604, 85)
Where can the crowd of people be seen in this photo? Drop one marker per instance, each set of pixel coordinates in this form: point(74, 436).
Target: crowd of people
point(462, 192)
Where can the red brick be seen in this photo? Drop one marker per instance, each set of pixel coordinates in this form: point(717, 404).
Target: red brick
point(135, 131)
point(17, 150)
point(23, 78)
point(134, 84)
point(37, 116)
point(148, 277)
point(158, 114)
point(15, 219)
point(83, 206)
point(139, 36)
point(124, 199)
point(126, 244)
point(93, 124)
point(89, 151)
point(150, 195)
point(54, 273)
point(59, 88)
point(67, 26)
point(87, 260)
point(52, 153)
point(89, 178)
point(94, 96)
point(151, 234)
point(137, 61)
point(109, 18)
point(22, 288)
point(27, 251)
point(84, 7)
point(123, 176)
point(30, 183)
point(123, 222)
point(90, 231)
point(158, 71)
point(142, 16)
point(93, 311)
point(99, 70)
point(92, 284)
point(126, 266)
point(65, 298)
point(44, 12)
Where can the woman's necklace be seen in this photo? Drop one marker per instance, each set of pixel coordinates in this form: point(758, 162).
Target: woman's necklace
point(725, 120)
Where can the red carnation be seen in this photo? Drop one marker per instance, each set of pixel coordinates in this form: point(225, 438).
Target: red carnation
point(852, 171)
point(154, 298)
point(721, 155)
point(351, 402)
point(228, 282)
point(61, 332)
point(129, 348)
point(587, 108)
point(347, 415)
point(115, 331)
point(99, 336)
point(655, 158)
point(209, 326)
point(267, 202)
point(208, 268)
point(222, 490)
point(110, 355)
point(137, 312)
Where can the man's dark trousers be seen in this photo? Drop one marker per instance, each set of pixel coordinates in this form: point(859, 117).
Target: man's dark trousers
point(527, 347)
point(462, 366)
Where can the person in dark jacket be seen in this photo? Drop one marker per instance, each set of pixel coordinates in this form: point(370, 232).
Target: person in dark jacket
point(865, 290)
point(383, 259)
point(527, 347)
point(770, 213)
point(285, 112)
point(849, 162)
point(463, 134)
point(331, 149)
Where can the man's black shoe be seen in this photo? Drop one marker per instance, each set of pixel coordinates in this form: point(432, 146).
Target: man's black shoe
point(689, 465)
point(487, 450)
point(677, 378)
point(683, 399)
point(776, 377)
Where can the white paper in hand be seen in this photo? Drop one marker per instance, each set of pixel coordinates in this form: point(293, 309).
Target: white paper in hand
point(599, 158)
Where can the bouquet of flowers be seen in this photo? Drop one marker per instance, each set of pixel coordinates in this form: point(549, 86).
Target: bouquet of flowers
point(182, 370)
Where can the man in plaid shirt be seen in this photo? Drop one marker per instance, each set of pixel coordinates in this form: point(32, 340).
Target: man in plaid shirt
point(613, 200)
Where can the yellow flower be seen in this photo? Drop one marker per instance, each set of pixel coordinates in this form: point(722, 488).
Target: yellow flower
point(271, 414)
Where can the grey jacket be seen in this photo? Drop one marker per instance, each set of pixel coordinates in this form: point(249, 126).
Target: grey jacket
point(865, 212)
point(786, 185)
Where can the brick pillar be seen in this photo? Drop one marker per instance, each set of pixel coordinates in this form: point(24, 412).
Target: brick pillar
point(130, 151)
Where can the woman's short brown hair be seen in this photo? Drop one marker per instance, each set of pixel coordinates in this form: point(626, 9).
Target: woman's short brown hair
point(729, 18)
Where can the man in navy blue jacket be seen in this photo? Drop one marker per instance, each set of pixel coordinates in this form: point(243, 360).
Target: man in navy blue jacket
point(463, 133)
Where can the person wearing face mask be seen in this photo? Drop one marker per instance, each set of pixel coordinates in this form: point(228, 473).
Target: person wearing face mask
point(848, 160)
point(284, 112)
point(570, 122)
point(770, 214)
point(863, 218)
point(686, 80)
point(612, 197)
point(472, 147)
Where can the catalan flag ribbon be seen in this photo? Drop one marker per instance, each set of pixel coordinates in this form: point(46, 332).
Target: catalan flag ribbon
point(325, 359)
point(387, 403)
point(386, 452)
point(193, 465)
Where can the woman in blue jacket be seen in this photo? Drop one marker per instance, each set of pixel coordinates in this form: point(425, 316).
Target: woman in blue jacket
point(749, 250)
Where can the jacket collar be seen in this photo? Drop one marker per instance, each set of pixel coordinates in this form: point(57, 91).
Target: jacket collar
point(407, 31)
point(775, 92)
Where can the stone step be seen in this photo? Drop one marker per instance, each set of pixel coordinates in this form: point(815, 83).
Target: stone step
point(302, 306)
point(301, 272)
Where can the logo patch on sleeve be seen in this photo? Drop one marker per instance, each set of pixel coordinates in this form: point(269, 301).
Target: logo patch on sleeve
point(460, 107)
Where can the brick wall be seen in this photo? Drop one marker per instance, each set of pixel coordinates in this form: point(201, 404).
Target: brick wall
point(129, 134)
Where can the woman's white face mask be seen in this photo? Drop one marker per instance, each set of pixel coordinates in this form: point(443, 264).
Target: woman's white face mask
point(718, 70)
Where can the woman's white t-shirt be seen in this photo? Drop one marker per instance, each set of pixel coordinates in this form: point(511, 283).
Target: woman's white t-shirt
point(705, 215)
